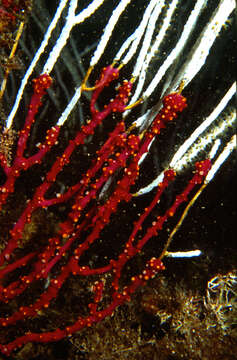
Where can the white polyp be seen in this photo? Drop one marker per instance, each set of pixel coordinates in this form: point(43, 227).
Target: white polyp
point(39, 52)
point(231, 145)
point(71, 21)
point(139, 123)
point(62, 40)
point(79, 18)
point(201, 48)
point(182, 157)
point(87, 12)
point(108, 31)
point(159, 38)
point(135, 38)
point(145, 154)
point(188, 28)
point(70, 107)
point(125, 46)
point(146, 44)
point(142, 65)
point(151, 186)
point(211, 118)
point(214, 149)
point(196, 148)
point(146, 26)
point(183, 254)
point(207, 138)
point(148, 37)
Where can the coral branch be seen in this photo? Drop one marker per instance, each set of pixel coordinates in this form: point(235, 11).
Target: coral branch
point(83, 225)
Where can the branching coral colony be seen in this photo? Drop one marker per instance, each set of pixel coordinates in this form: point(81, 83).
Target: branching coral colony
point(92, 200)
